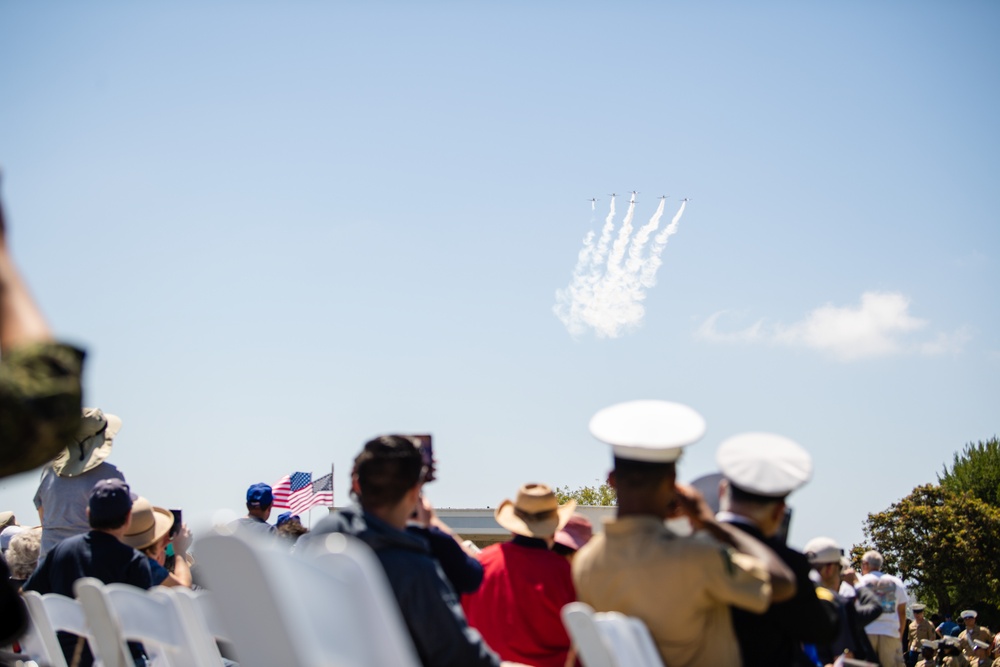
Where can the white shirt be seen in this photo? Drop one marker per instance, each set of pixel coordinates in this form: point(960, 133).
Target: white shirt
point(891, 593)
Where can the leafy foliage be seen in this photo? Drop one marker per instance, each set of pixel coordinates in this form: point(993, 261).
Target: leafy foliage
point(944, 543)
point(976, 470)
point(588, 495)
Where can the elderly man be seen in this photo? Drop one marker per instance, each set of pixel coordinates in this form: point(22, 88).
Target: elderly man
point(682, 588)
point(760, 471)
point(888, 631)
point(525, 584)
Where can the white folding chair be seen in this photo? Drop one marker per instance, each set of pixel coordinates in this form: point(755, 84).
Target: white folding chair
point(320, 609)
point(51, 613)
point(201, 618)
point(119, 613)
point(609, 639)
point(364, 584)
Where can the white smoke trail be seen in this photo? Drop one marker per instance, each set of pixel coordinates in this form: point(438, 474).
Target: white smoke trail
point(647, 276)
point(605, 295)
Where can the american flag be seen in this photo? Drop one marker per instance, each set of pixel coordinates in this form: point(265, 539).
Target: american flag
point(323, 491)
point(297, 492)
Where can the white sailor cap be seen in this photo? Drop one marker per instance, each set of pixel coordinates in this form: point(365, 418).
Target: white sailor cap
point(764, 464)
point(979, 643)
point(929, 643)
point(648, 430)
point(968, 613)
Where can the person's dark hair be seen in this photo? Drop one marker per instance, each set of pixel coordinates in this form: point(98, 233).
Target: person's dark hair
point(738, 495)
point(111, 523)
point(563, 550)
point(642, 475)
point(387, 468)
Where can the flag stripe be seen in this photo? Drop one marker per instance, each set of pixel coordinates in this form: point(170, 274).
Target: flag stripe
point(298, 492)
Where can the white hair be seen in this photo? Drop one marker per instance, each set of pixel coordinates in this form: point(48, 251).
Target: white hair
point(873, 560)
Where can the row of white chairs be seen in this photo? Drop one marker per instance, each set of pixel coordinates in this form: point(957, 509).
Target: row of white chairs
point(177, 626)
point(328, 607)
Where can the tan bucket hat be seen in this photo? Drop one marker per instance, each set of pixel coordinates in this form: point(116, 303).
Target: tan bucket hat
point(149, 524)
point(93, 444)
point(535, 513)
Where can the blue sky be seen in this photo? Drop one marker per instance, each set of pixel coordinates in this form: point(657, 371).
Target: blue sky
point(282, 229)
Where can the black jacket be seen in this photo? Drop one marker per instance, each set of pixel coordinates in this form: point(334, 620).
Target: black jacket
point(773, 638)
point(430, 608)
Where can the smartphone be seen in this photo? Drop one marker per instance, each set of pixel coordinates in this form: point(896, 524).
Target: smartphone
point(426, 445)
point(178, 522)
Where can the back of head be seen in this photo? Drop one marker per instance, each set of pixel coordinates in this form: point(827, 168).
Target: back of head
point(387, 467)
point(110, 504)
point(872, 560)
point(639, 476)
point(22, 552)
point(260, 497)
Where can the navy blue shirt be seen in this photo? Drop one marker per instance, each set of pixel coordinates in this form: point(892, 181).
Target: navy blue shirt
point(94, 554)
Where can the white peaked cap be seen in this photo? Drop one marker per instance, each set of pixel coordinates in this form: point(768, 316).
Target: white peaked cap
point(648, 430)
point(764, 464)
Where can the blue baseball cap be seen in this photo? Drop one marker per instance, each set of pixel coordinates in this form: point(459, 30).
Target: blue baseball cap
point(110, 499)
point(286, 516)
point(259, 495)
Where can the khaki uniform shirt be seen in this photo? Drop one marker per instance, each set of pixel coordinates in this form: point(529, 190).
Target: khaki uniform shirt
point(917, 632)
point(955, 661)
point(979, 632)
point(680, 587)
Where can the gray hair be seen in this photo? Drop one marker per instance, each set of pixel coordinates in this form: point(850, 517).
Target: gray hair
point(873, 559)
point(22, 553)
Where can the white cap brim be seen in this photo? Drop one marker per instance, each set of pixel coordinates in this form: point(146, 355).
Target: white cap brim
point(648, 430)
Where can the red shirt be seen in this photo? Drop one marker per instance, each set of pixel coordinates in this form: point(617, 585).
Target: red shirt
point(517, 607)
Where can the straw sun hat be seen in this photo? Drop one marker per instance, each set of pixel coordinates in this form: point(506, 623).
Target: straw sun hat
point(93, 444)
point(535, 513)
point(149, 524)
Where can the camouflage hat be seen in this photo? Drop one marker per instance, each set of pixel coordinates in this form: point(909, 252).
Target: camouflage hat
point(93, 444)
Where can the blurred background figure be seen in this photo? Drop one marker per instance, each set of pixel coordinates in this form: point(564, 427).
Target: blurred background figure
point(150, 533)
point(577, 532)
point(61, 498)
point(22, 554)
point(289, 527)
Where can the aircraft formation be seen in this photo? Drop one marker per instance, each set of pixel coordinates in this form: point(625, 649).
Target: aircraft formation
point(593, 200)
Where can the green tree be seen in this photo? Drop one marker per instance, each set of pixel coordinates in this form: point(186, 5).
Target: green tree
point(588, 495)
point(976, 470)
point(943, 543)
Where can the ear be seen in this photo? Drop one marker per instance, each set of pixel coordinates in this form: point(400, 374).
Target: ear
point(612, 480)
point(355, 487)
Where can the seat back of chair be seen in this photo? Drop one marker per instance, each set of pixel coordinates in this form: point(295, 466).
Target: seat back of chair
point(628, 638)
point(47, 618)
point(281, 609)
point(202, 625)
point(609, 639)
point(364, 587)
point(591, 648)
point(119, 613)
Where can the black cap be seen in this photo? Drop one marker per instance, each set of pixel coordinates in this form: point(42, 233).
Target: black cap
point(110, 499)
